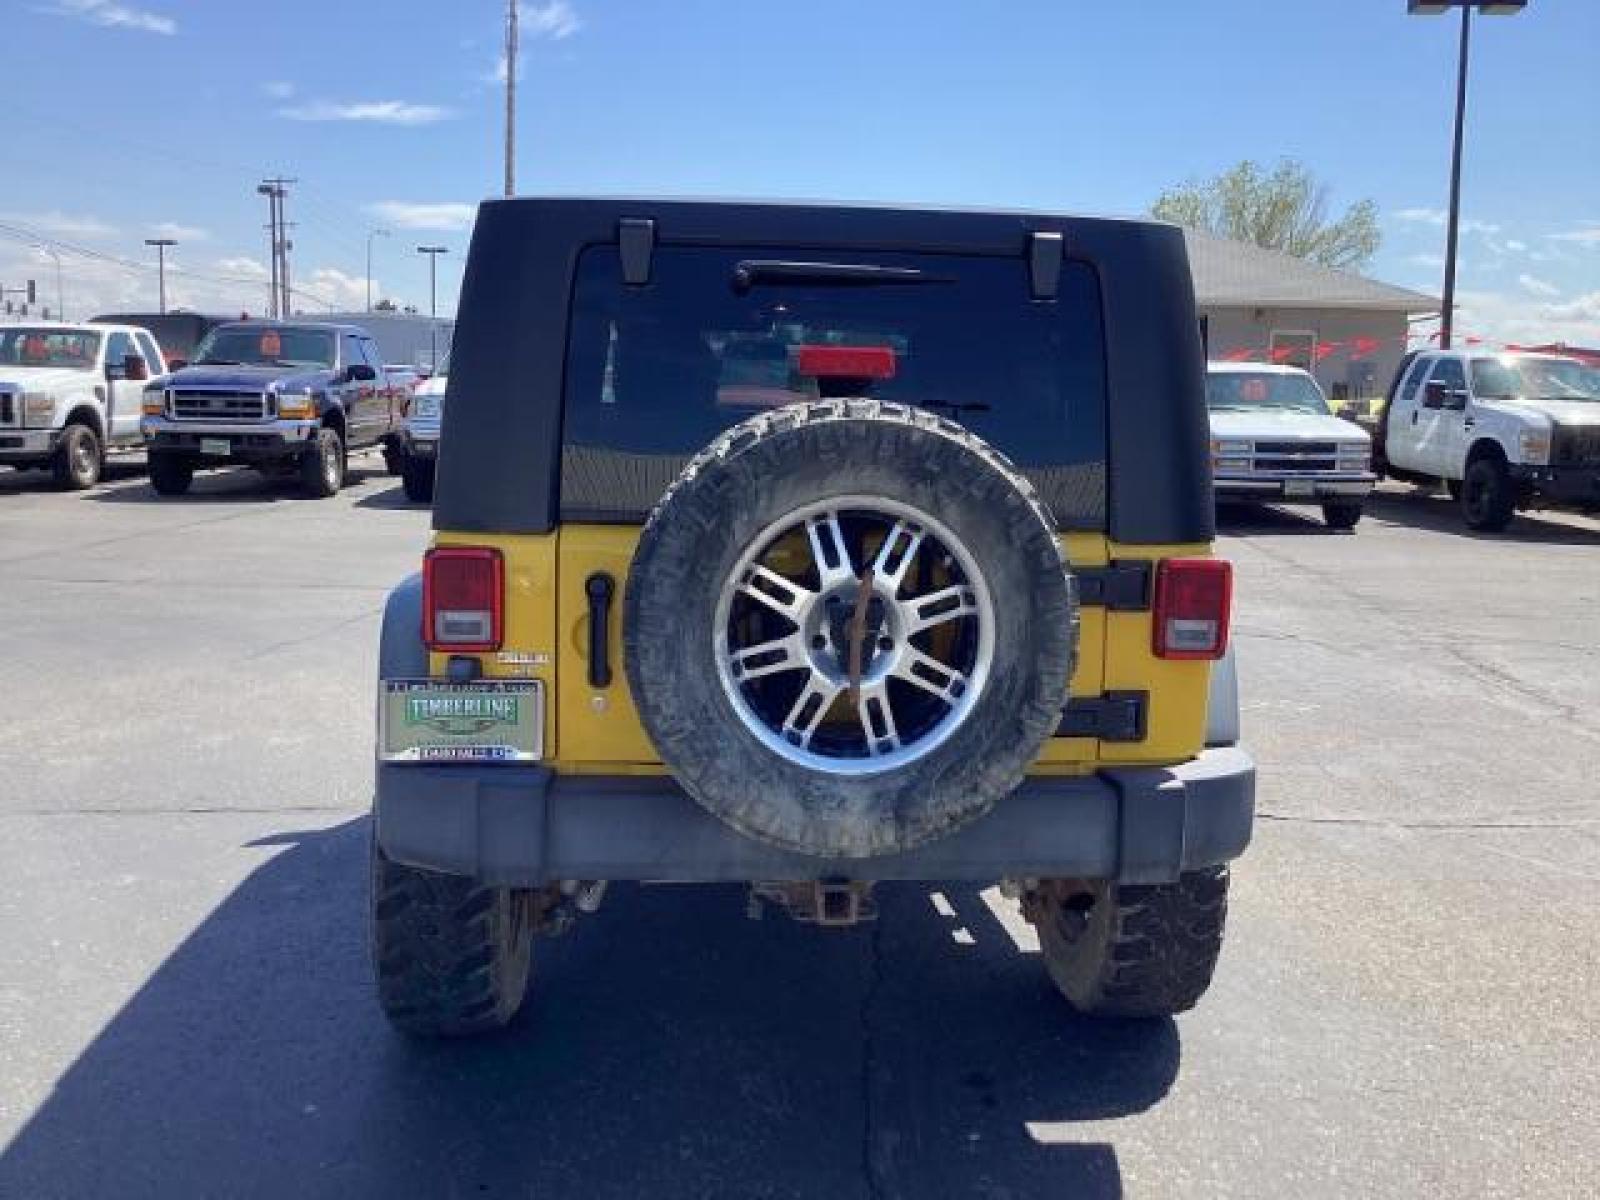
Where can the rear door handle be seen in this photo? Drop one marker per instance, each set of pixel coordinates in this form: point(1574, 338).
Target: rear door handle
point(599, 588)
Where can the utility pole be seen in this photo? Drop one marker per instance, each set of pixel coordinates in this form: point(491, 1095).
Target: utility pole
point(511, 97)
point(276, 191)
point(372, 233)
point(433, 253)
point(161, 245)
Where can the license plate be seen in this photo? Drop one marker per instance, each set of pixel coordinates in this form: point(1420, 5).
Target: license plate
point(216, 447)
point(1299, 487)
point(430, 720)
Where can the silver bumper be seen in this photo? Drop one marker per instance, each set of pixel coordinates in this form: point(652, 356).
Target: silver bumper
point(25, 445)
point(295, 431)
point(1309, 489)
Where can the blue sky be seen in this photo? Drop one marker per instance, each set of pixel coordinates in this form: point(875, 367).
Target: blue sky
point(131, 118)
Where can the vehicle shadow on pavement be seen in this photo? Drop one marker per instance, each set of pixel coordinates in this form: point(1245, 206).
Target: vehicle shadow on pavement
point(1264, 520)
point(670, 1047)
point(1440, 514)
point(389, 498)
point(229, 485)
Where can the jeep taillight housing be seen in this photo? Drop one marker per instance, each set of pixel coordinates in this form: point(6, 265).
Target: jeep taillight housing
point(463, 598)
point(1193, 599)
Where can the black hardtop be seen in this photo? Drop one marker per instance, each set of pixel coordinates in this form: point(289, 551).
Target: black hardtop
point(500, 452)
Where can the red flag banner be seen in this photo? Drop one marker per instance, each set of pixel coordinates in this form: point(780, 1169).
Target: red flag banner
point(1325, 349)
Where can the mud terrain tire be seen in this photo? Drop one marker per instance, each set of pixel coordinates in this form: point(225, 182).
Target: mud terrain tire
point(753, 476)
point(1132, 950)
point(451, 956)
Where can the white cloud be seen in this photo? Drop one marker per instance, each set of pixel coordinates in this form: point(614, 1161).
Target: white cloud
point(60, 224)
point(1501, 317)
point(242, 265)
point(386, 112)
point(556, 19)
point(116, 16)
point(1485, 227)
point(1517, 246)
point(1436, 261)
point(331, 285)
point(278, 89)
point(1537, 286)
point(1588, 235)
point(181, 233)
point(445, 215)
point(1425, 216)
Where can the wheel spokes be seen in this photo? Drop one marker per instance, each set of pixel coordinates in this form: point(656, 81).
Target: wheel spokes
point(783, 596)
point(877, 718)
point(947, 604)
point(787, 653)
point(809, 708)
point(929, 674)
point(828, 550)
point(896, 555)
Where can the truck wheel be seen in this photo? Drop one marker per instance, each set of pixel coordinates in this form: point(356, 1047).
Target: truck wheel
point(848, 628)
point(394, 458)
point(1341, 516)
point(417, 478)
point(1488, 501)
point(1131, 950)
point(322, 464)
point(451, 956)
point(78, 458)
point(1453, 487)
point(171, 474)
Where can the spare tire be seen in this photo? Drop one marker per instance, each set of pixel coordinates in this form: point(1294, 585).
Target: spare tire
point(849, 627)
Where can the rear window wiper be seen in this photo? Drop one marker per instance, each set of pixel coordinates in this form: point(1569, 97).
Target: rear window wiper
point(754, 271)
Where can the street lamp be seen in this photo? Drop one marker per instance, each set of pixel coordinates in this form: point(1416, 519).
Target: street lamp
point(372, 233)
point(1434, 8)
point(433, 253)
point(161, 245)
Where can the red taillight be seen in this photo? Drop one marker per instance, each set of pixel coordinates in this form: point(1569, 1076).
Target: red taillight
point(463, 594)
point(1193, 598)
point(848, 362)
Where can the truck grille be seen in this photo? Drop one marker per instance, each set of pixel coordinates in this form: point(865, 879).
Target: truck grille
point(217, 406)
point(1575, 447)
point(1296, 449)
point(1294, 462)
point(8, 408)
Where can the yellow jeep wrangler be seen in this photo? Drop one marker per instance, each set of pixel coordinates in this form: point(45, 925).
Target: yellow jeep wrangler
point(809, 547)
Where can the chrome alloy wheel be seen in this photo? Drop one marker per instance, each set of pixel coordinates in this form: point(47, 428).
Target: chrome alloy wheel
point(854, 635)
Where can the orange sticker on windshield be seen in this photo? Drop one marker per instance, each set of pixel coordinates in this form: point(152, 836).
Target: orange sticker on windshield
point(271, 344)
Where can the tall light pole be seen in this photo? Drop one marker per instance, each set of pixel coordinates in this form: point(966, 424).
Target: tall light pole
point(161, 245)
point(372, 233)
point(433, 253)
point(61, 299)
point(511, 97)
point(1434, 8)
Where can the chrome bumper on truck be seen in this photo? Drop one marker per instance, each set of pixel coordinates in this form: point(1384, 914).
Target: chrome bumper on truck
point(27, 445)
point(1307, 488)
point(233, 442)
point(526, 825)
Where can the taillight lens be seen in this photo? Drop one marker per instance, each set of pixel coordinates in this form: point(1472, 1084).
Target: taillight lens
point(463, 598)
point(1193, 599)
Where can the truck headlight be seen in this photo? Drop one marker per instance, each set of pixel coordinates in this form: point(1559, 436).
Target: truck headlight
point(1225, 449)
point(153, 402)
point(38, 408)
point(1355, 456)
point(296, 406)
point(1533, 445)
point(1231, 464)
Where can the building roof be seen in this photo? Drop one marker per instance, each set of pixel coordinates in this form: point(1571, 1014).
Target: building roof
point(1229, 274)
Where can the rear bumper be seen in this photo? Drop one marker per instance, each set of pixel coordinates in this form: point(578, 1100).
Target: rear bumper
point(1322, 488)
point(27, 445)
point(1575, 486)
point(525, 826)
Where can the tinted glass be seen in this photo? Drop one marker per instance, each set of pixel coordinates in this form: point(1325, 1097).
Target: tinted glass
point(121, 346)
point(267, 346)
point(654, 373)
point(1418, 373)
point(1236, 390)
point(147, 349)
point(1448, 371)
point(1534, 379)
point(47, 346)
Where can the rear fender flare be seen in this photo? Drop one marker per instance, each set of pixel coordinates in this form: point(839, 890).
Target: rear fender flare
point(401, 652)
point(1222, 702)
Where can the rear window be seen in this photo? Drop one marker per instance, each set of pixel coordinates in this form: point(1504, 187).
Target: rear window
point(656, 372)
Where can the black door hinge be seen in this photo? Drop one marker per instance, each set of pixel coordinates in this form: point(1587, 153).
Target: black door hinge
point(1124, 586)
point(1111, 717)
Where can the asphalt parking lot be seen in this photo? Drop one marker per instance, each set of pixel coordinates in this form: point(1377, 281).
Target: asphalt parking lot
point(1405, 1005)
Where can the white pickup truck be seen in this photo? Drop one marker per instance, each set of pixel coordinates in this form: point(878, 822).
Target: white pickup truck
point(1273, 440)
point(1503, 431)
point(71, 393)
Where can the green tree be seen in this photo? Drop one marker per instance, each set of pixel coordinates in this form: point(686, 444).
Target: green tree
point(1285, 210)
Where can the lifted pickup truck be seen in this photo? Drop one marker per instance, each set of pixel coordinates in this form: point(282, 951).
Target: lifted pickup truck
point(71, 393)
point(1503, 431)
point(287, 398)
point(807, 547)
